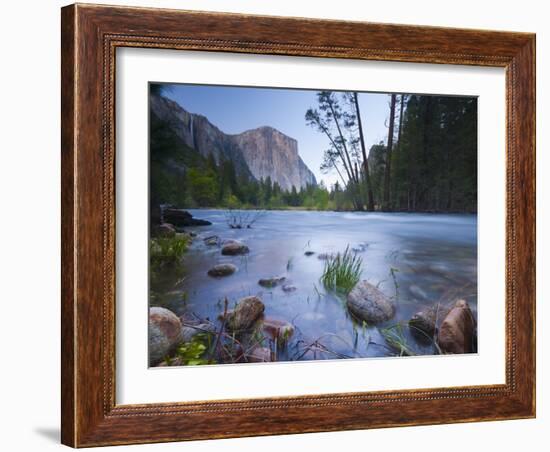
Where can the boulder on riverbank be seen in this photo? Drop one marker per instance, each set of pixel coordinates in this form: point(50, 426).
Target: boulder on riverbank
point(247, 311)
point(182, 218)
point(234, 248)
point(271, 282)
point(220, 270)
point(165, 333)
point(457, 333)
point(368, 303)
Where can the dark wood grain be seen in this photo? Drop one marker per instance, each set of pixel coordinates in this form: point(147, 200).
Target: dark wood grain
point(90, 36)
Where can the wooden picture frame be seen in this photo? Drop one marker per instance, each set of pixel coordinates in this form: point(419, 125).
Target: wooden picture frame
point(90, 36)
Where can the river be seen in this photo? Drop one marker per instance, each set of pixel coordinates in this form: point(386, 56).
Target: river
point(417, 259)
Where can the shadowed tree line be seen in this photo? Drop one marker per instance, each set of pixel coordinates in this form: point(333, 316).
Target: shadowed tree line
point(427, 163)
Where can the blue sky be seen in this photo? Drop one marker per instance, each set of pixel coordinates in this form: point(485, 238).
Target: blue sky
point(236, 109)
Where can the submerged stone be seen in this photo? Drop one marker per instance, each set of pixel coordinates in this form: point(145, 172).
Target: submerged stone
point(271, 282)
point(234, 248)
point(212, 240)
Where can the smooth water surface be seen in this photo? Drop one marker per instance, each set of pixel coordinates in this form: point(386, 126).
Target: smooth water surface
point(417, 259)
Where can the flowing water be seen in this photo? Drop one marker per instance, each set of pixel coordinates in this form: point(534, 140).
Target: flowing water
point(416, 259)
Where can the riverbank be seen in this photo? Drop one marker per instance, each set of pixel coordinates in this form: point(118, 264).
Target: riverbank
point(420, 262)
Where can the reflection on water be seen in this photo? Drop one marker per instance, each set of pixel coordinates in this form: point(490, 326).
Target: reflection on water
point(419, 259)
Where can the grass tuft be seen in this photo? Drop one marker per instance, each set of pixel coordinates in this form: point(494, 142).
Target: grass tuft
point(342, 272)
point(396, 340)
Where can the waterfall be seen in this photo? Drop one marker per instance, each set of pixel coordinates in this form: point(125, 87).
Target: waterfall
point(191, 130)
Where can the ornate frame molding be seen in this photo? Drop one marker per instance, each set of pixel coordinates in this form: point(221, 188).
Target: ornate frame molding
point(90, 37)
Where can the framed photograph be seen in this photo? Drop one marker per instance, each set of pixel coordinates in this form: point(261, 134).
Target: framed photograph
point(282, 225)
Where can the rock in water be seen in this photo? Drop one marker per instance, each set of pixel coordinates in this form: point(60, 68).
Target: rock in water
point(271, 282)
point(245, 314)
point(234, 248)
point(164, 333)
point(222, 270)
point(212, 240)
point(457, 332)
point(422, 324)
point(289, 288)
point(309, 253)
point(369, 304)
point(182, 218)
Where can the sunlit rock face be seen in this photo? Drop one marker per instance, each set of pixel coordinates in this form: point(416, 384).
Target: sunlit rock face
point(259, 153)
point(270, 153)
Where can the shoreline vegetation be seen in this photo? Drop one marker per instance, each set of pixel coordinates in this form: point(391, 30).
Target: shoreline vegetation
point(427, 164)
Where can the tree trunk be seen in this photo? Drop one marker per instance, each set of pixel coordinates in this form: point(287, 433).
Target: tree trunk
point(342, 138)
point(370, 197)
point(387, 173)
point(399, 201)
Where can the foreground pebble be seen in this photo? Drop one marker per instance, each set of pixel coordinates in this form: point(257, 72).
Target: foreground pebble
point(247, 311)
point(221, 270)
point(165, 333)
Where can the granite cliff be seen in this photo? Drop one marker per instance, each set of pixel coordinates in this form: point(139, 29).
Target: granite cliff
point(258, 153)
point(270, 153)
